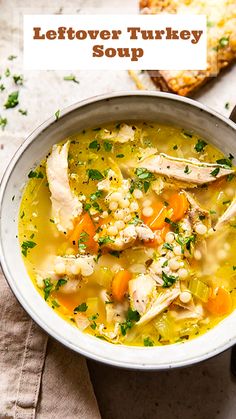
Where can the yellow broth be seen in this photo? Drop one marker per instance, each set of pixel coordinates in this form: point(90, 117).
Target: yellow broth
point(40, 238)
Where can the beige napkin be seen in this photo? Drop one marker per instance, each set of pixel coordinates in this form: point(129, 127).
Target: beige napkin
point(39, 378)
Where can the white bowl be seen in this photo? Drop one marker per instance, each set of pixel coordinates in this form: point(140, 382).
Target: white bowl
point(149, 106)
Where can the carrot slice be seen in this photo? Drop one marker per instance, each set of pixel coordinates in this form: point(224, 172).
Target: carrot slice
point(221, 303)
point(179, 204)
point(157, 220)
point(85, 225)
point(120, 284)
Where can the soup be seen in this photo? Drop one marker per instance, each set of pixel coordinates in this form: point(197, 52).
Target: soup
point(127, 231)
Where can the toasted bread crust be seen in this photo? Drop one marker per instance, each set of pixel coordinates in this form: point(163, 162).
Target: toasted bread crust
point(219, 54)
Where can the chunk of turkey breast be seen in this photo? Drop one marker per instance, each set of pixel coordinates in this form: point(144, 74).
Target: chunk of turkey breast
point(163, 300)
point(129, 235)
point(190, 171)
point(226, 216)
point(65, 205)
point(124, 134)
point(142, 290)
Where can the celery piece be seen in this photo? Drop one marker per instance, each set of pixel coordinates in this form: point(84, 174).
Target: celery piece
point(104, 277)
point(93, 306)
point(199, 289)
point(164, 327)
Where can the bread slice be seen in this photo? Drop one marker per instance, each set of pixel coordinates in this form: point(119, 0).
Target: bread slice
point(221, 48)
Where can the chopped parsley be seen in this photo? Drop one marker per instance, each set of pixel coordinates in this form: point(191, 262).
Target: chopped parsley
point(120, 156)
point(143, 173)
point(18, 79)
point(83, 238)
point(96, 195)
point(187, 170)
point(59, 283)
point(224, 41)
point(57, 114)
point(175, 147)
point(185, 242)
point(81, 308)
point(168, 280)
point(225, 162)
point(133, 316)
point(71, 77)
point(94, 145)
point(227, 105)
point(3, 122)
point(26, 245)
point(23, 111)
point(12, 100)
point(107, 146)
point(55, 304)
point(200, 145)
point(12, 57)
point(2, 87)
point(167, 246)
point(105, 240)
point(148, 341)
point(215, 172)
point(94, 174)
point(234, 268)
point(34, 174)
point(48, 286)
point(115, 253)
point(7, 72)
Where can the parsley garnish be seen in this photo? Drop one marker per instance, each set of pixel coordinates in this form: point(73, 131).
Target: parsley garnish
point(225, 162)
point(105, 240)
point(18, 79)
point(215, 172)
point(168, 280)
point(200, 145)
point(224, 41)
point(23, 111)
point(7, 72)
point(148, 341)
point(81, 308)
point(143, 173)
point(48, 286)
point(26, 245)
point(12, 100)
point(227, 105)
point(57, 114)
point(187, 170)
point(83, 238)
point(120, 156)
point(34, 174)
point(94, 174)
point(12, 57)
point(132, 317)
point(185, 241)
point(94, 145)
point(55, 304)
point(167, 246)
point(96, 195)
point(59, 283)
point(3, 122)
point(2, 87)
point(71, 77)
point(107, 146)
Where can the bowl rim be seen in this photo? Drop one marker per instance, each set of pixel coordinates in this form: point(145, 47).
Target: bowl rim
point(10, 280)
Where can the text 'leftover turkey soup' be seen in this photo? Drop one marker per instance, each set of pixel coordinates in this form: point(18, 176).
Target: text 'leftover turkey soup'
point(128, 233)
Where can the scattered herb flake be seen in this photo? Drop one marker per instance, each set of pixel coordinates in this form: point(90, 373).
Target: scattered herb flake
point(34, 174)
point(3, 122)
point(94, 174)
point(168, 280)
point(26, 245)
point(12, 100)
point(12, 57)
point(105, 240)
point(107, 146)
point(94, 145)
point(224, 41)
point(148, 341)
point(18, 79)
point(59, 283)
point(227, 105)
point(57, 114)
point(215, 172)
point(200, 145)
point(81, 308)
point(23, 111)
point(48, 286)
point(7, 72)
point(120, 156)
point(71, 77)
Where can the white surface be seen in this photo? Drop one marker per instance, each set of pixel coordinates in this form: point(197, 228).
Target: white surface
point(44, 93)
